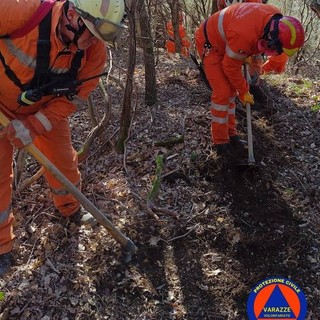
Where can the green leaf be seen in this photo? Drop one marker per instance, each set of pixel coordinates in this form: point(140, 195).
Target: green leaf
point(315, 108)
point(2, 295)
point(289, 190)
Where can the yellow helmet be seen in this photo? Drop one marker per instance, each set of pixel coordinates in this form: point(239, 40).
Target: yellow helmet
point(102, 17)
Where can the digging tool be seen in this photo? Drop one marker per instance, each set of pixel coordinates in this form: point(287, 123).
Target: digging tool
point(199, 65)
point(128, 246)
point(251, 160)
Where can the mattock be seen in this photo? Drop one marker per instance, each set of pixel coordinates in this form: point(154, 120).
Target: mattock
point(128, 246)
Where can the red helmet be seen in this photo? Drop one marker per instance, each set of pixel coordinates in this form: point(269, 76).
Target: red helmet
point(291, 35)
point(282, 34)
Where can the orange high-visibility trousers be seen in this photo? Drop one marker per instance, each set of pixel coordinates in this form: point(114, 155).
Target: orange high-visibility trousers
point(171, 48)
point(223, 121)
point(57, 147)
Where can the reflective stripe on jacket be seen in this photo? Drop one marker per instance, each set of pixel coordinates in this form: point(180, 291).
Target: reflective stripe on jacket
point(20, 55)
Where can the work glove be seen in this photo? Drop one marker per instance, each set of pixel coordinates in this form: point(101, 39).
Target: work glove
point(22, 132)
point(246, 97)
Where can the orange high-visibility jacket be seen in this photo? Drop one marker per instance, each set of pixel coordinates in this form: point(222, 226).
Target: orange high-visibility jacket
point(20, 55)
point(234, 33)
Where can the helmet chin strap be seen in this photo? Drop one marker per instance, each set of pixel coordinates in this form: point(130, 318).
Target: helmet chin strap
point(271, 36)
point(77, 33)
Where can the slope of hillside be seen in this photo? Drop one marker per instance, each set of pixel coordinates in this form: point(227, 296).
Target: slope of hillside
point(215, 230)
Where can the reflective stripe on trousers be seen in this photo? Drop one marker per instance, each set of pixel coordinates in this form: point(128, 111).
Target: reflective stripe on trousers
point(56, 145)
point(63, 191)
point(223, 122)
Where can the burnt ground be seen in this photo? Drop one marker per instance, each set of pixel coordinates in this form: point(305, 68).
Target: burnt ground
point(216, 230)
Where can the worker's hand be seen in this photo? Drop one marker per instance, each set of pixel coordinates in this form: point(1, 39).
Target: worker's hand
point(22, 132)
point(246, 97)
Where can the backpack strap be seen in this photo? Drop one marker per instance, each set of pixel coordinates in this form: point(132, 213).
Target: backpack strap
point(207, 45)
point(42, 72)
point(43, 51)
point(10, 74)
point(38, 16)
point(76, 63)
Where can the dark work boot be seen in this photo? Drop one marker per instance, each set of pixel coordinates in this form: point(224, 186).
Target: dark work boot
point(223, 149)
point(82, 217)
point(236, 140)
point(238, 146)
point(6, 262)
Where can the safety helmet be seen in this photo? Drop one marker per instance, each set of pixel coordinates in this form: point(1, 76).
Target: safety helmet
point(291, 35)
point(102, 17)
point(282, 34)
point(230, 2)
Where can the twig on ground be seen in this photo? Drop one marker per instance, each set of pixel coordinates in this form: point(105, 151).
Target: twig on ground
point(50, 264)
point(183, 235)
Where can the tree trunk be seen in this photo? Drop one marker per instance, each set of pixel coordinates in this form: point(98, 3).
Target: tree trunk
point(125, 119)
point(174, 7)
point(148, 54)
point(315, 6)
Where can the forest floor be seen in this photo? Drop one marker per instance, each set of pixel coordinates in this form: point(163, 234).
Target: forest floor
point(215, 231)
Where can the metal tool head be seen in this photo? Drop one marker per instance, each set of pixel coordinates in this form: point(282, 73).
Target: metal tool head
point(130, 249)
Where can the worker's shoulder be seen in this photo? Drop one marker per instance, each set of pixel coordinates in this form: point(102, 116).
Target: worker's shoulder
point(97, 51)
point(14, 13)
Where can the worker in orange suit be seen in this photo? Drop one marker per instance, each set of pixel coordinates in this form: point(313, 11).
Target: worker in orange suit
point(77, 32)
point(185, 42)
point(224, 41)
point(257, 65)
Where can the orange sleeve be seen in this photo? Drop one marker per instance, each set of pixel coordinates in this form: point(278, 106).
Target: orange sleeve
point(94, 64)
point(237, 49)
point(233, 70)
point(276, 64)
